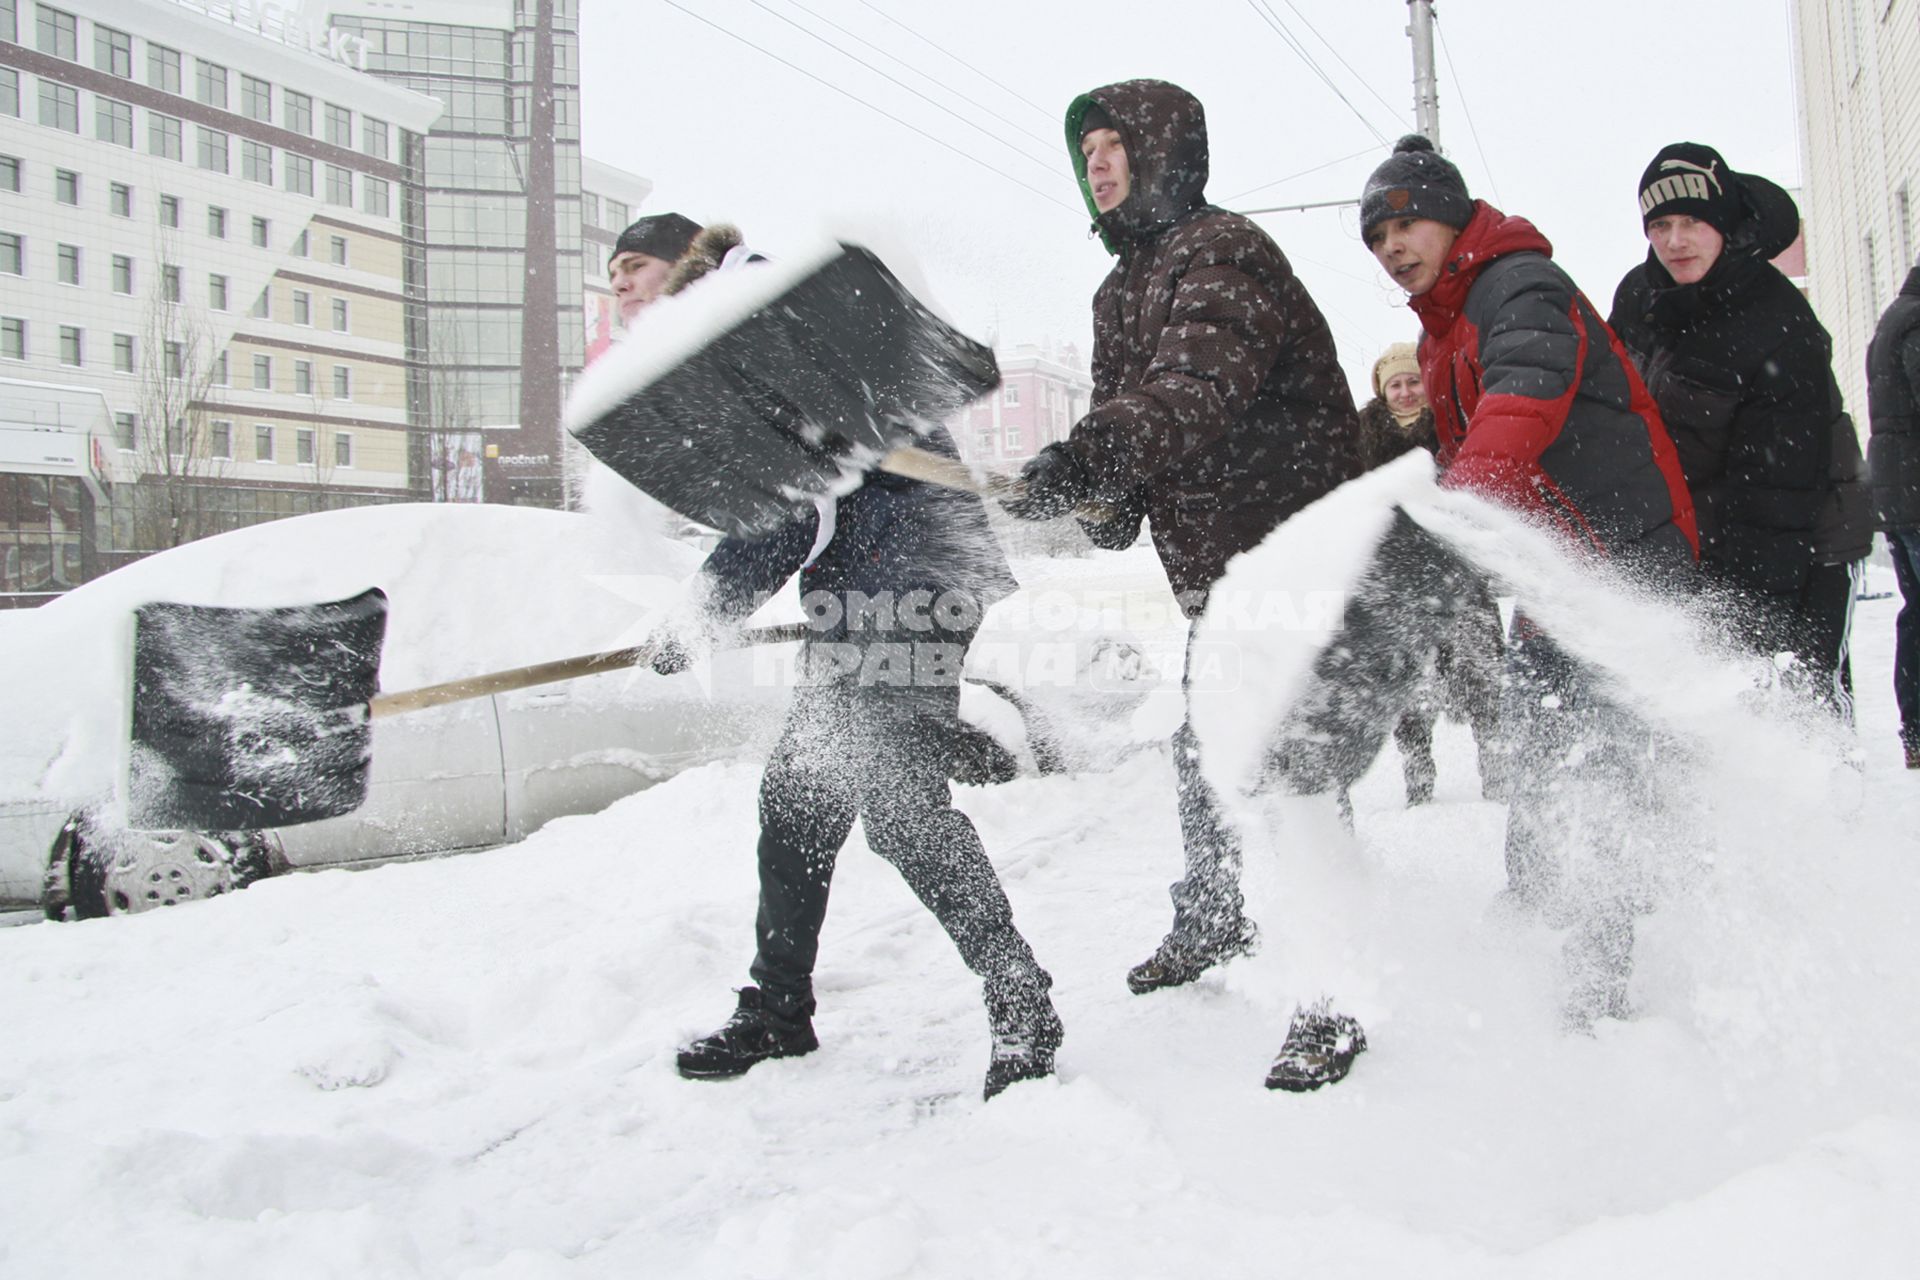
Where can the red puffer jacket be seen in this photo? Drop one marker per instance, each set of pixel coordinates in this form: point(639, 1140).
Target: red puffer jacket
point(1537, 405)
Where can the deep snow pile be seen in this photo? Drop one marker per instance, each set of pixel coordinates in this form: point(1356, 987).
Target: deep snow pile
point(464, 1068)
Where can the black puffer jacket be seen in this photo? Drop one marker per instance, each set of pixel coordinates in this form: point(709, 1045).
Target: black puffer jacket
point(1743, 374)
point(1893, 406)
point(1219, 405)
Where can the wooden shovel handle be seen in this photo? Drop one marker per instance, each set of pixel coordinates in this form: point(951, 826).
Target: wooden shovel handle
point(932, 468)
point(437, 695)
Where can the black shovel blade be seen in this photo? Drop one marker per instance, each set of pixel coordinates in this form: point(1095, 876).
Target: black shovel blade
point(252, 718)
point(824, 379)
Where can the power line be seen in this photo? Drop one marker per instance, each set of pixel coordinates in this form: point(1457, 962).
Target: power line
point(1272, 19)
point(1467, 111)
point(1051, 166)
point(1391, 109)
point(1055, 116)
point(927, 76)
point(964, 155)
point(1367, 150)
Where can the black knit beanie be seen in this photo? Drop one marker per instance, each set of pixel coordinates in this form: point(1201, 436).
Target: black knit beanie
point(659, 235)
point(1691, 179)
point(1415, 182)
point(1096, 117)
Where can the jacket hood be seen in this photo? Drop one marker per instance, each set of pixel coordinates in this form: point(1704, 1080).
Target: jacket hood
point(1488, 235)
point(1164, 130)
point(1768, 226)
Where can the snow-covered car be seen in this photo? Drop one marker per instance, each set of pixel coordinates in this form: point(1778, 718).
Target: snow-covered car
point(1063, 676)
point(471, 590)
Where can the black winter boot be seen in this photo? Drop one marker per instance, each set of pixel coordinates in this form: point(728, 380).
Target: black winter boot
point(1026, 1033)
point(1181, 959)
point(1320, 1048)
point(753, 1034)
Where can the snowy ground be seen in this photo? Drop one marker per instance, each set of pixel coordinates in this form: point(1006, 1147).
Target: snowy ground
point(464, 1068)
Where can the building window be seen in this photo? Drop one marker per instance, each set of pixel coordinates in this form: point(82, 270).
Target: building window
point(120, 200)
point(13, 253)
point(590, 209)
point(256, 162)
point(373, 196)
point(216, 222)
point(373, 134)
point(262, 230)
point(339, 185)
point(176, 356)
point(126, 427)
point(220, 439)
point(299, 174)
point(163, 136)
point(13, 338)
point(303, 446)
point(339, 125)
point(218, 377)
point(302, 307)
point(59, 107)
point(56, 33)
point(123, 353)
point(1903, 223)
point(210, 83)
point(9, 173)
point(177, 437)
point(303, 377)
point(9, 92)
point(163, 67)
point(262, 442)
point(213, 149)
point(69, 263)
point(113, 51)
point(263, 373)
point(170, 211)
point(338, 250)
point(170, 283)
point(217, 293)
point(296, 112)
point(122, 274)
point(66, 186)
point(1010, 396)
point(342, 382)
point(256, 98)
point(300, 244)
point(616, 215)
point(339, 314)
point(70, 341)
point(262, 305)
point(113, 122)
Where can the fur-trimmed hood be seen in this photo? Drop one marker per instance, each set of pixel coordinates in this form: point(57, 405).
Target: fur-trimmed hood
point(704, 253)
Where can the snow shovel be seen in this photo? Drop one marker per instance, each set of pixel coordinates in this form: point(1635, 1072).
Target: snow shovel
point(793, 394)
point(252, 718)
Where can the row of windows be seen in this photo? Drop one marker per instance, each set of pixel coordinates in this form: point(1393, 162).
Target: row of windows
point(67, 189)
point(72, 344)
point(212, 149)
point(69, 269)
point(215, 440)
point(56, 32)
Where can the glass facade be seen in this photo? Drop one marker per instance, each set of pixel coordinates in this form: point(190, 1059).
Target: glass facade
point(466, 225)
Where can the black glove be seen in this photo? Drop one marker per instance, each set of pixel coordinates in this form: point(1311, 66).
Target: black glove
point(670, 656)
point(1053, 482)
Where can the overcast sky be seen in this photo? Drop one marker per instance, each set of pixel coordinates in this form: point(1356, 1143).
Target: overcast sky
point(948, 140)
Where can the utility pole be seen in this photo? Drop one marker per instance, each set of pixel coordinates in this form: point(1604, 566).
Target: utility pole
point(1426, 90)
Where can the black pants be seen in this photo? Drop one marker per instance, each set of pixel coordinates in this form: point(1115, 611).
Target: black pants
point(1813, 624)
point(877, 749)
point(1905, 546)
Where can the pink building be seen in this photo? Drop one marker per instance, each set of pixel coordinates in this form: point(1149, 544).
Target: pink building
point(1044, 390)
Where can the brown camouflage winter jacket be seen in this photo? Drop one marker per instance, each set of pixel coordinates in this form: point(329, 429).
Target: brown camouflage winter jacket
point(1219, 407)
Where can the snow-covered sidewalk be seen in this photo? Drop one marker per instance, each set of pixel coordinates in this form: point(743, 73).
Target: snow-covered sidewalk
point(465, 1067)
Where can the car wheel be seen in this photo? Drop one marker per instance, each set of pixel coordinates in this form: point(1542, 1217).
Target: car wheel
point(113, 871)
